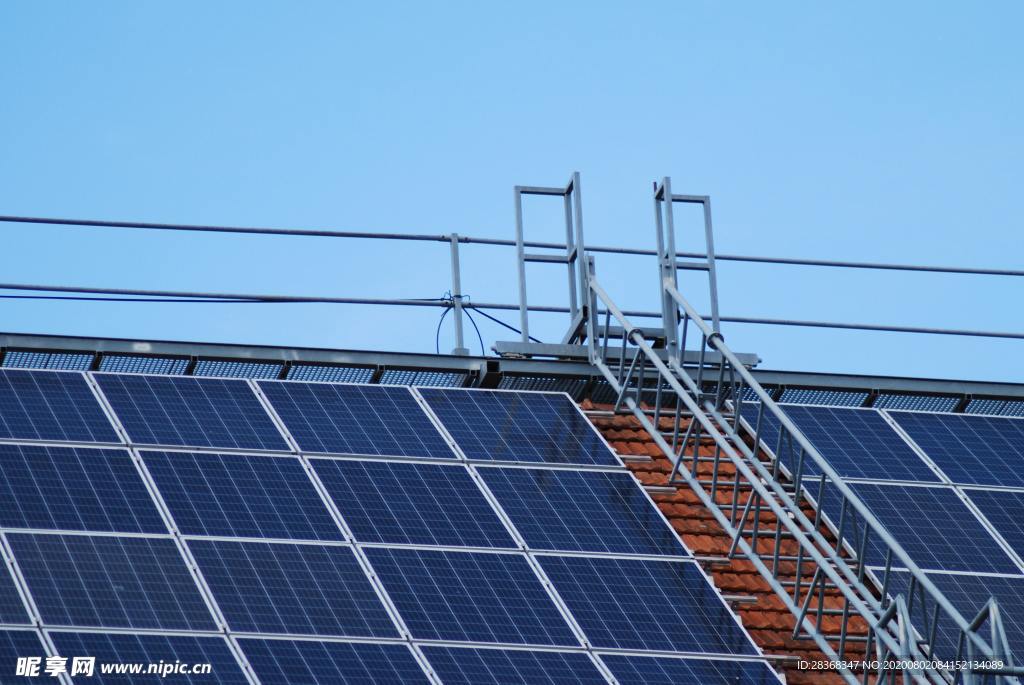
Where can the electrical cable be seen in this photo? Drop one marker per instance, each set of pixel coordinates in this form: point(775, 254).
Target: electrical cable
point(483, 352)
point(437, 333)
point(500, 322)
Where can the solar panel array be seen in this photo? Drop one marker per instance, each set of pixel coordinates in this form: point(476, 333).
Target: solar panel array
point(948, 487)
point(286, 531)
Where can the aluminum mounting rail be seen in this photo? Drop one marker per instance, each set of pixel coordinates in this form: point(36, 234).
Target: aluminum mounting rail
point(774, 513)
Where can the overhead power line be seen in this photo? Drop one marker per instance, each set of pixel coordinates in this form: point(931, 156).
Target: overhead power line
point(465, 239)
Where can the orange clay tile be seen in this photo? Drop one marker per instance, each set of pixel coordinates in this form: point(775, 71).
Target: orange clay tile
point(763, 613)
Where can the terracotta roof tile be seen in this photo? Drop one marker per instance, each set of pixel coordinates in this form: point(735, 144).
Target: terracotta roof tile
point(763, 613)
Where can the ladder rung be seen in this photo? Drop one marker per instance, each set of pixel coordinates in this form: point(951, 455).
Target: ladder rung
point(692, 267)
point(556, 258)
point(540, 190)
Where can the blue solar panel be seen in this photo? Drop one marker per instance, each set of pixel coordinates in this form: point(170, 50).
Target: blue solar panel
point(237, 495)
point(518, 426)
point(15, 644)
point(417, 504)
point(122, 648)
point(50, 405)
point(465, 666)
point(110, 582)
point(858, 443)
point(356, 419)
point(1005, 509)
point(73, 488)
point(640, 604)
point(653, 670)
point(470, 596)
point(192, 412)
point(296, 589)
point(982, 450)
point(12, 609)
point(968, 593)
point(582, 511)
point(283, 662)
point(932, 524)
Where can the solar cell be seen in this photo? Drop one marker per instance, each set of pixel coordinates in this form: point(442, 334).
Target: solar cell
point(71, 488)
point(290, 588)
point(237, 495)
point(470, 596)
point(653, 670)
point(417, 504)
point(969, 594)
point(641, 604)
point(582, 511)
point(518, 426)
point(110, 582)
point(356, 419)
point(858, 443)
point(1005, 509)
point(12, 609)
point(466, 666)
point(123, 648)
point(283, 662)
point(15, 644)
point(51, 405)
point(931, 523)
point(982, 450)
point(190, 412)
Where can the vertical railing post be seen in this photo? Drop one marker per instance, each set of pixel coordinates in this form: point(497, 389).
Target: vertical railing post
point(460, 344)
point(709, 238)
point(524, 315)
point(581, 264)
point(571, 254)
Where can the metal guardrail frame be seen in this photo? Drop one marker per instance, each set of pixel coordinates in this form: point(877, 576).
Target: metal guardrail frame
point(716, 414)
point(459, 302)
point(709, 414)
point(571, 196)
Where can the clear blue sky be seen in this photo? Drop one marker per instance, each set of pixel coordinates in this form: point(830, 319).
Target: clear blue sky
point(871, 131)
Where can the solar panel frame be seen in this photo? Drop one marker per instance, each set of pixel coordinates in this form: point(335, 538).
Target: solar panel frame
point(283, 588)
point(969, 449)
point(15, 644)
point(13, 611)
point(936, 528)
point(663, 605)
point(412, 503)
point(108, 581)
point(582, 511)
point(466, 424)
point(475, 666)
point(470, 596)
point(241, 495)
point(52, 406)
point(140, 648)
point(968, 594)
point(75, 488)
point(664, 670)
point(1004, 510)
point(282, 662)
point(186, 411)
point(876, 451)
point(318, 425)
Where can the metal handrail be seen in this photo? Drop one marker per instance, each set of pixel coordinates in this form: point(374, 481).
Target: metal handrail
point(849, 496)
point(457, 303)
point(708, 418)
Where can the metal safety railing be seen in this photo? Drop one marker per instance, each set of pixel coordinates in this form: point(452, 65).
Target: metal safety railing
point(765, 504)
point(458, 301)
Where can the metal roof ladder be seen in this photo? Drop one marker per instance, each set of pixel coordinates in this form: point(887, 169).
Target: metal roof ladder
point(705, 410)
